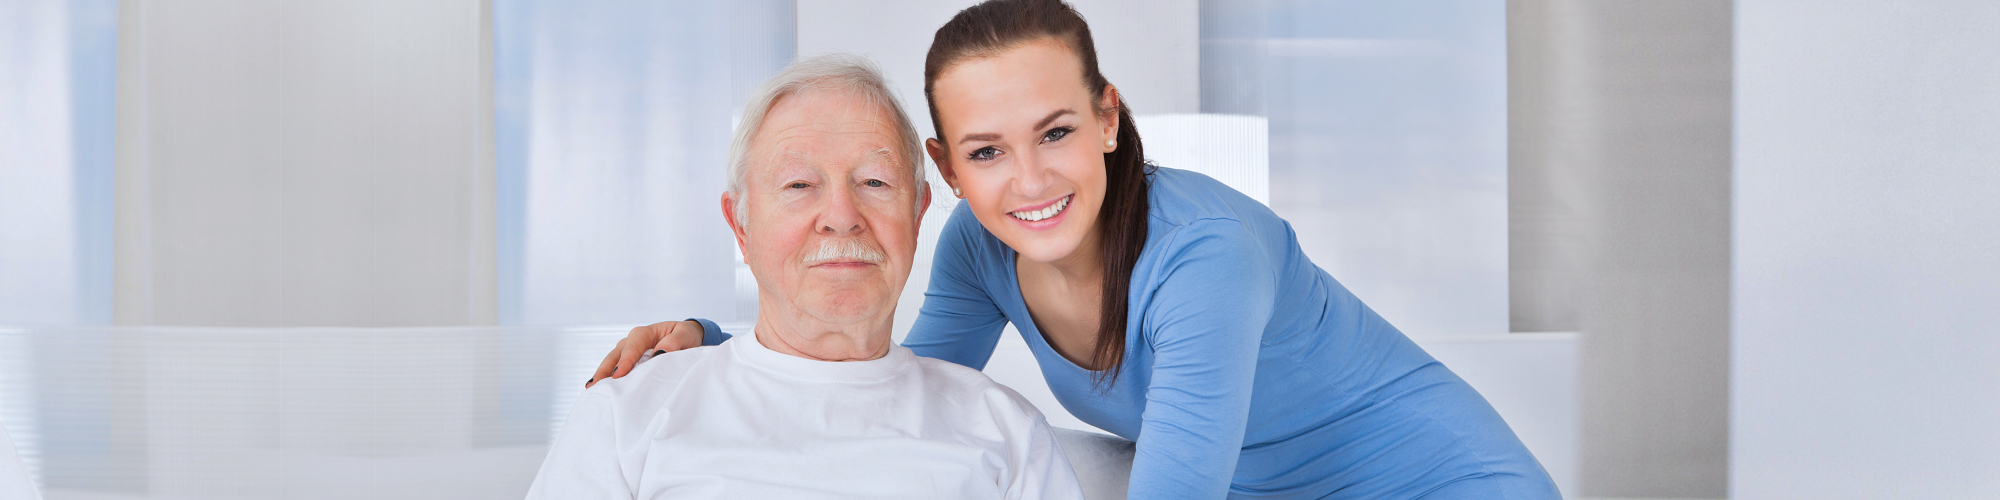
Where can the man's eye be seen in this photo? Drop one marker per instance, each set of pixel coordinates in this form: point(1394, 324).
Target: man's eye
point(798, 185)
point(874, 183)
point(985, 153)
point(1057, 134)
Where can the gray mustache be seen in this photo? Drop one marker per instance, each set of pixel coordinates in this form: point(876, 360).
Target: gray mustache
point(844, 249)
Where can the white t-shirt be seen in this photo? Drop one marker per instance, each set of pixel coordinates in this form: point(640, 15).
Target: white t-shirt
point(739, 420)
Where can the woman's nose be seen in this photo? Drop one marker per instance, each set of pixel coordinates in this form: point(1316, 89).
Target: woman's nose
point(1032, 178)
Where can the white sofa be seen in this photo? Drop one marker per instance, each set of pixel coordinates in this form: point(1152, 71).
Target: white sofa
point(1103, 462)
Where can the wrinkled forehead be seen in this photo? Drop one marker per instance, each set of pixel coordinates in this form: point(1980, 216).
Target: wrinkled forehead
point(828, 127)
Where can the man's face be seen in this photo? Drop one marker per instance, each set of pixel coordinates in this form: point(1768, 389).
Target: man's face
point(831, 223)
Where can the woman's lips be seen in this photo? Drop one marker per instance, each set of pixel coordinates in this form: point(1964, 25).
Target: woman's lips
point(1045, 217)
point(1044, 212)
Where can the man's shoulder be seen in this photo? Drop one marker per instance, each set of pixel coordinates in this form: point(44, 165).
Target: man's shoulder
point(958, 381)
point(659, 376)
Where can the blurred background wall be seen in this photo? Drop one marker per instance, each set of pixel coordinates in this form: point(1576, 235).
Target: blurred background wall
point(1697, 249)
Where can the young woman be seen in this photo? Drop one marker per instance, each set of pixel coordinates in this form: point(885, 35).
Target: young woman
point(1162, 305)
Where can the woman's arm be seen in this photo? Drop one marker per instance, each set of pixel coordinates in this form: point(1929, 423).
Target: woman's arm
point(665, 336)
point(959, 322)
point(1205, 325)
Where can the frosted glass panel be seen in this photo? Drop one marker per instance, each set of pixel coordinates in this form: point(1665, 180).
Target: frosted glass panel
point(56, 61)
point(1234, 149)
point(1388, 132)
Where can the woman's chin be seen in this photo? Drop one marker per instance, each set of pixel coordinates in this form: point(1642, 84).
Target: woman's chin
point(1045, 251)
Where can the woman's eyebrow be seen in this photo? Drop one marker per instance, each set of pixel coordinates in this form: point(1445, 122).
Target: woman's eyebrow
point(1052, 117)
point(989, 136)
point(983, 136)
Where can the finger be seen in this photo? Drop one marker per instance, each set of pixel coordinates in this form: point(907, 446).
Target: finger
point(605, 367)
point(674, 337)
point(635, 344)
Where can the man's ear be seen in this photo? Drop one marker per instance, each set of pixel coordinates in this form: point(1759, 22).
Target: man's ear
point(735, 226)
point(922, 208)
point(1110, 102)
point(943, 162)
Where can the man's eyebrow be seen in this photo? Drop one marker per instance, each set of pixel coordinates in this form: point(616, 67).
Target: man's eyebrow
point(886, 154)
point(989, 136)
point(791, 156)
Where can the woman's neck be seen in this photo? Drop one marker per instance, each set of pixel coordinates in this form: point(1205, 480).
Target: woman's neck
point(1084, 267)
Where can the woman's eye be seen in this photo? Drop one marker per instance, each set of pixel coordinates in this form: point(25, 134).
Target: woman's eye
point(798, 185)
point(1057, 134)
point(985, 153)
point(874, 183)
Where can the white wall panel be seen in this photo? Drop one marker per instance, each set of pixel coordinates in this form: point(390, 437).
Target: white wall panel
point(1866, 289)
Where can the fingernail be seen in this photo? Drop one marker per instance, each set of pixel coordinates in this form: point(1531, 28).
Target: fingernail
point(592, 381)
point(657, 352)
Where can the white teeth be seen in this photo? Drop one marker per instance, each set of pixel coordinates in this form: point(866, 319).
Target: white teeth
point(1044, 213)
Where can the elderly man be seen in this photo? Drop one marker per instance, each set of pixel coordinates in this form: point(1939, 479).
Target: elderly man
point(826, 191)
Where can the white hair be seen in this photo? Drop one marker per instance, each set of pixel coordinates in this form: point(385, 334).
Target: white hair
point(838, 72)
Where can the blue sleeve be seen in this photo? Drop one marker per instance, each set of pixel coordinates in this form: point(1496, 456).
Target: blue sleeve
point(1205, 324)
point(959, 322)
point(710, 333)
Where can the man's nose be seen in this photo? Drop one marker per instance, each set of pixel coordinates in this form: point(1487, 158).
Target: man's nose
point(841, 216)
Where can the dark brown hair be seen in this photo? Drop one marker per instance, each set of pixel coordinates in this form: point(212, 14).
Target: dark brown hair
point(995, 26)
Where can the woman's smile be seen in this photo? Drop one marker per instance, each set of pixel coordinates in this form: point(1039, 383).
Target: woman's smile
point(1044, 215)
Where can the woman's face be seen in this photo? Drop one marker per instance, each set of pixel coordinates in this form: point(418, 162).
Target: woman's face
point(1024, 142)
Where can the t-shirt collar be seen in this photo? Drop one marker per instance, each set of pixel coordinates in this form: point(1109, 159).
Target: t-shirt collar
point(747, 349)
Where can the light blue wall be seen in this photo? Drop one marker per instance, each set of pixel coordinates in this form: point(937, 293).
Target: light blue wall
point(57, 62)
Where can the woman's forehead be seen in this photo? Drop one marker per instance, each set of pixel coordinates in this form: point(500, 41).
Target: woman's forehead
point(1013, 89)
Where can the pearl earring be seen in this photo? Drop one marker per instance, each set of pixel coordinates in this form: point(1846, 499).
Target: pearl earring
point(956, 192)
point(1111, 143)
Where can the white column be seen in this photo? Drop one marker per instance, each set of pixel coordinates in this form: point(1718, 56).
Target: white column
point(316, 163)
point(1618, 182)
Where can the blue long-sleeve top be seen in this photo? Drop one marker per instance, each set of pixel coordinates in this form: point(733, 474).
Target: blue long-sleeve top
point(1248, 372)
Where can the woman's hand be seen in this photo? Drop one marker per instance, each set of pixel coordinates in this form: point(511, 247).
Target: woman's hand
point(665, 336)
